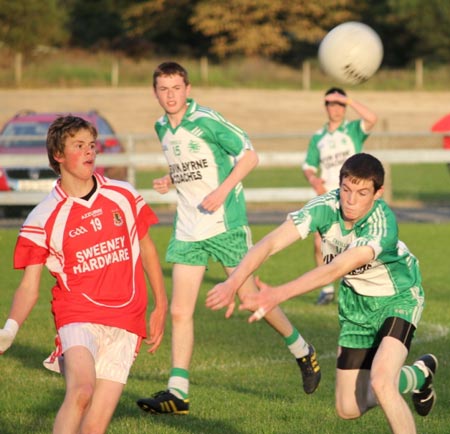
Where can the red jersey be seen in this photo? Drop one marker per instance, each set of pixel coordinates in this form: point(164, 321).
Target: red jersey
point(92, 249)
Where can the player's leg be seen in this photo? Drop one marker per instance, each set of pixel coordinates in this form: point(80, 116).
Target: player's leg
point(304, 353)
point(367, 377)
point(104, 402)
point(326, 295)
point(357, 391)
point(370, 357)
point(79, 374)
point(353, 393)
point(418, 379)
point(229, 248)
point(115, 352)
point(388, 361)
point(186, 285)
point(186, 281)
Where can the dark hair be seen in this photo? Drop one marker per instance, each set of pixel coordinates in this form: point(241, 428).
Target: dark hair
point(363, 166)
point(335, 90)
point(170, 68)
point(59, 131)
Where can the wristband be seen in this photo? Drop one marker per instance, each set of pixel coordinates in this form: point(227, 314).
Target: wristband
point(12, 326)
point(349, 101)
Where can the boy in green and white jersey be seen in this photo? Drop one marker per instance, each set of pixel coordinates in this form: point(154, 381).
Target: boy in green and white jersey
point(380, 296)
point(201, 152)
point(208, 158)
point(329, 147)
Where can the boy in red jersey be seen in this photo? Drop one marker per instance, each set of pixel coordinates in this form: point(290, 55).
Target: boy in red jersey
point(92, 234)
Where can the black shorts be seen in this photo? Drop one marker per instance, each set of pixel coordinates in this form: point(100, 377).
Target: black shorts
point(362, 358)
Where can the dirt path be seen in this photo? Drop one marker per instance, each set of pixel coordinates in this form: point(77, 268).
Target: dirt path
point(134, 110)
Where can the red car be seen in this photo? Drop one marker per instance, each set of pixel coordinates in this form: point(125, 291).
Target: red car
point(26, 132)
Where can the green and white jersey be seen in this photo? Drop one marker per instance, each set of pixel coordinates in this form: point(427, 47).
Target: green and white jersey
point(393, 270)
point(201, 152)
point(327, 151)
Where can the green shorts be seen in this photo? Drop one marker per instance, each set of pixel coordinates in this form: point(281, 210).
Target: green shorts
point(228, 248)
point(361, 317)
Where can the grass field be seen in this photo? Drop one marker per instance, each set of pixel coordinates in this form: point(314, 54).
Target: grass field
point(426, 183)
point(243, 379)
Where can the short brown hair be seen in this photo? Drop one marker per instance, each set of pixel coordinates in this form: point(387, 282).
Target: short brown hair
point(170, 68)
point(59, 131)
point(363, 166)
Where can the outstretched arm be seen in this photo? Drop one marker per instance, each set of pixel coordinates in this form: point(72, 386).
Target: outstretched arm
point(269, 297)
point(222, 294)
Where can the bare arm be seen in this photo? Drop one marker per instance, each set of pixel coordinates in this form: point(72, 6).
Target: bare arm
point(316, 182)
point(223, 293)
point(368, 116)
point(269, 297)
point(25, 297)
point(152, 267)
point(244, 166)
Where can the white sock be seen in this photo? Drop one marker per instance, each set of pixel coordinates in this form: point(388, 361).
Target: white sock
point(329, 289)
point(297, 345)
point(179, 386)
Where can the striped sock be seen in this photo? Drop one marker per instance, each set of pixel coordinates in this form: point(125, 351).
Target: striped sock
point(412, 378)
point(296, 344)
point(179, 382)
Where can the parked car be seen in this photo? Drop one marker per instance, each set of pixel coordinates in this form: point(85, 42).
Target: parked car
point(25, 134)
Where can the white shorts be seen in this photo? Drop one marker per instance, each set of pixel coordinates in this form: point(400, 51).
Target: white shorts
point(113, 349)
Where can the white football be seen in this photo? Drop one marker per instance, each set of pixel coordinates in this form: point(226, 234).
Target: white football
point(351, 52)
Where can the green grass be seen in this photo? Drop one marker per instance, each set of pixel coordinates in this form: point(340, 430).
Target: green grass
point(243, 379)
point(411, 182)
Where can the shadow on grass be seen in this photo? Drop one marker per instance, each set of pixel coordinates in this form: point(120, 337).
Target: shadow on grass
point(156, 423)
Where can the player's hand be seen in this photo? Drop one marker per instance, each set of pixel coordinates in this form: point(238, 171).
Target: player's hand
point(318, 184)
point(261, 303)
point(6, 339)
point(213, 201)
point(162, 185)
point(156, 329)
point(337, 97)
point(222, 295)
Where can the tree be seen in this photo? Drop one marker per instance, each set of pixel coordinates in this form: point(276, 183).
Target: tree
point(162, 26)
point(26, 24)
point(97, 23)
point(429, 23)
point(267, 27)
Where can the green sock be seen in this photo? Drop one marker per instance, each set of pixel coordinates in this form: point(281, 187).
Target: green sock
point(296, 344)
point(179, 382)
point(411, 378)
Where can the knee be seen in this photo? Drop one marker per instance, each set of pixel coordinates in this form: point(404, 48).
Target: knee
point(81, 396)
point(382, 387)
point(180, 314)
point(347, 411)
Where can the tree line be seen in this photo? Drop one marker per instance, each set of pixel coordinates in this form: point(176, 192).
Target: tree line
point(288, 32)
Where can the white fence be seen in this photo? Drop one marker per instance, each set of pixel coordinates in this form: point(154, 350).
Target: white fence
point(137, 160)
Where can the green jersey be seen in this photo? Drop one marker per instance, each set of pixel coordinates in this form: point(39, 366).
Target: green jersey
point(327, 150)
point(392, 271)
point(201, 153)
